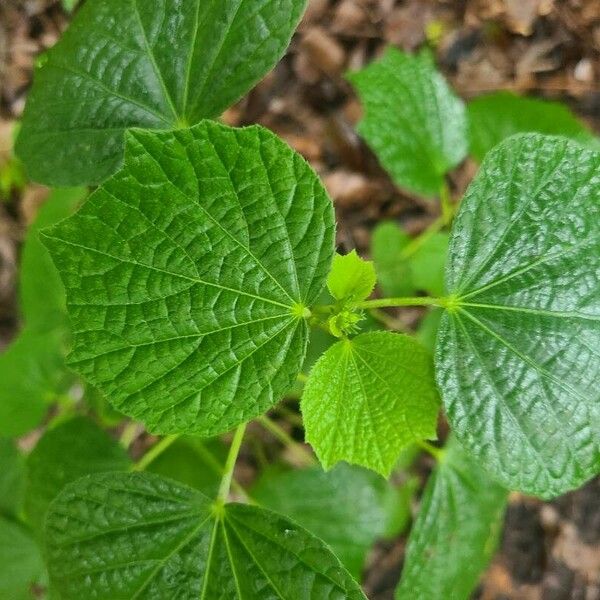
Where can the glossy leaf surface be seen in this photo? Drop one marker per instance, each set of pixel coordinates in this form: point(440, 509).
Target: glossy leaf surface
point(369, 397)
point(189, 274)
point(518, 353)
point(139, 535)
point(153, 64)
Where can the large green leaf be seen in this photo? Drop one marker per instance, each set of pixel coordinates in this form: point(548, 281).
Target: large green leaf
point(456, 532)
point(348, 507)
point(21, 565)
point(189, 274)
point(12, 478)
point(142, 536)
point(518, 352)
point(369, 397)
point(495, 117)
point(75, 448)
point(154, 64)
point(413, 122)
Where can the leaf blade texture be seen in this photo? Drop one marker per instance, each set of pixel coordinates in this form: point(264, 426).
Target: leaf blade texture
point(152, 64)
point(351, 279)
point(154, 538)
point(413, 121)
point(456, 531)
point(369, 397)
point(517, 357)
point(188, 275)
point(495, 117)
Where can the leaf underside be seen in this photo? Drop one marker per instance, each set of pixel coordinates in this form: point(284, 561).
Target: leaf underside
point(455, 533)
point(369, 397)
point(518, 357)
point(413, 121)
point(143, 536)
point(186, 274)
point(153, 64)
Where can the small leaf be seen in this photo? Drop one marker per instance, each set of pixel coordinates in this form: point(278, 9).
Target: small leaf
point(32, 372)
point(348, 507)
point(154, 64)
point(351, 279)
point(12, 479)
point(142, 536)
point(74, 448)
point(517, 356)
point(495, 117)
point(456, 531)
point(42, 296)
point(369, 397)
point(21, 565)
point(189, 273)
point(414, 122)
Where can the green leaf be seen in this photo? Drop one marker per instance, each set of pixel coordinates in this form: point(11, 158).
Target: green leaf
point(21, 565)
point(32, 374)
point(139, 535)
point(495, 117)
point(154, 64)
point(42, 295)
point(72, 449)
point(194, 462)
point(387, 247)
point(414, 123)
point(404, 266)
point(12, 478)
point(456, 531)
point(189, 274)
point(348, 507)
point(369, 397)
point(517, 356)
point(351, 279)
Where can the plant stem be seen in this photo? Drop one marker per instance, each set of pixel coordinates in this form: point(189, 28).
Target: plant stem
point(286, 440)
point(154, 452)
point(234, 450)
point(387, 320)
point(129, 433)
point(392, 302)
point(417, 242)
point(431, 449)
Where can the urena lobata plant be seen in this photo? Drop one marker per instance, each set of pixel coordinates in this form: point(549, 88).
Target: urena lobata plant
point(196, 271)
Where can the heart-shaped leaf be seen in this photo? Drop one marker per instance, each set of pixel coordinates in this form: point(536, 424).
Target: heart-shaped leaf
point(143, 536)
point(518, 351)
point(156, 64)
point(189, 275)
point(369, 397)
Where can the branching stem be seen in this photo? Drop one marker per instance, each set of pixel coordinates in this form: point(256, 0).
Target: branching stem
point(284, 437)
point(403, 301)
point(234, 450)
point(154, 452)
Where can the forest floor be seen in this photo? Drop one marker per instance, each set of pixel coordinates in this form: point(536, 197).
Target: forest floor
point(545, 48)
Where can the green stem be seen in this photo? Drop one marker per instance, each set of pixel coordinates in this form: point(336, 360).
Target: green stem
point(234, 450)
point(431, 449)
point(129, 433)
point(393, 302)
point(154, 452)
point(284, 437)
point(435, 227)
point(387, 320)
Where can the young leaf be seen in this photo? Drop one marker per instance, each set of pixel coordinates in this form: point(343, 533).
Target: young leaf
point(139, 535)
point(21, 565)
point(348, 507)
point(369, 397)
point(12, 478)
point(42, 296)
point(517, 356)
point(74, 448)
point(495, 117)
point(32, 373)
point(414, 122)
point(189, 274)
point(352, 279)
point(456, 532)
point(154, 64)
